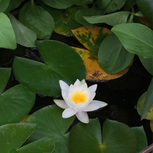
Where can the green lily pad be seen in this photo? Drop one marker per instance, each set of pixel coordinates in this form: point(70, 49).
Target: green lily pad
point(18, 101)
point(7, 36)
point(12, 136)
point(4, 77)
point(116, 138)
point(37, 19)
point(61, 63)
point(50, 124)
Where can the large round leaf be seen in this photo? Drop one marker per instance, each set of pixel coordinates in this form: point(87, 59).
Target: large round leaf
point(4, 5)
point(12, 136)
point(15, 104)
point(4, 77)
point(50, 124)
point(59, 4)
point(136, 38)
point(113, 58)
point(37, 19)
point(7, 36)
point(61, 63)
point(116, 138)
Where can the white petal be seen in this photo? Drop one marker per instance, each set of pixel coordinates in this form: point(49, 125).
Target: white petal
point(83, 117)
point(63, 85)
point(68, 112)
point(94, 105)
point(60, 103)
point(77, 83)
point(93, 88)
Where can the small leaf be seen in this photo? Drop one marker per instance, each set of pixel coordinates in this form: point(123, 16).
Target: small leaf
point(12, 136)
point(4, 77)
point(4, 5)
point(61, 63)
point(141, 138)
point(110, 5)
point(147, 63)
point(148, 100)
point(91, 37)
point(18, 101)
point(116, 138)
point(59, 4)
point(7, 36)
point(93, 70)
point(64, 20)
point(24, 36)
point(134, 40)
point(110, 19)
point(146, 7)
point(50, 124)
point(44, 145)
point(79, 15)
point(37, 19)
point(113, 58)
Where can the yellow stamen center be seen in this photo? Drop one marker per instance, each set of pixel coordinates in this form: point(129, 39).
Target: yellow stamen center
point(79, 97)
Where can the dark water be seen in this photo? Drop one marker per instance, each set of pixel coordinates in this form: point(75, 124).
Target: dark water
point(121, 94)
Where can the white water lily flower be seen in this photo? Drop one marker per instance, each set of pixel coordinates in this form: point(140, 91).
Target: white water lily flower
point(78, 99)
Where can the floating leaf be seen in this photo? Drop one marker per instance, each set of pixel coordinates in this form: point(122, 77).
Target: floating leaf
point(50, 124)
point(4, 77)
point(44, 145)
point(116, 138)
point(110, 5)
point(18, 101)
point(61, 63)
point(64, 20)
point(113, 58)
point(4, 5)
point(134, 40)
point(7, 36)
point(147, 63)
point(140, 107)
point(91, 37)
point(12, 136)
point(93, 70)
point(110, 19)
point(146, 7)
point(24, 36)
point(37, 19)
point(141, 138)
point(59, 4)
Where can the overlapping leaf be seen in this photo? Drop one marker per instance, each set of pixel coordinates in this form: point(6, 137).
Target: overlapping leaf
point(61, 63)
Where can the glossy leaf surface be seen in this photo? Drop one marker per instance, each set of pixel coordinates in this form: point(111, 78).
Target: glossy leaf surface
point(93, 70)
point(4, 77)
point(116, 138)
point(12, 136)
point(110, 19)
point(7, 36)
point(91, 37)
point(51, 124)
point(18, 101)
point(112, 56)
point(59, 4)
point(134, 40)
point(37, 19)
point(24, 36)
point(61, 63)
